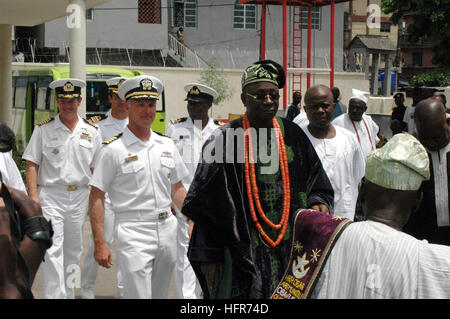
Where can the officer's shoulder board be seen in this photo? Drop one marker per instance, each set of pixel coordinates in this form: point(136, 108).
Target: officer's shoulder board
point(45, 121)
point(180, 120)
point(90, 123)
point(112, 139)
point(161, 134)
point(97, 118)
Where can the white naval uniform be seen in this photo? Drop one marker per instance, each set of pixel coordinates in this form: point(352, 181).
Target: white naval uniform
point(365, 131)
point(109, 127)
point(138, 176)
point(65, 159)
point(189, 141)
point(344, 163)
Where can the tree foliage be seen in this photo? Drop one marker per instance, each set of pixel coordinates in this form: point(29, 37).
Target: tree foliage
point(215, 78)
point(439, 78)
point(431, 21)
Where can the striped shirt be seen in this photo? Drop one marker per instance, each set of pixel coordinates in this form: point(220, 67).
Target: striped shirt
point(373, 261)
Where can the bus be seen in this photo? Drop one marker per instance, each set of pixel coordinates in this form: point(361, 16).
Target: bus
point(33, 101)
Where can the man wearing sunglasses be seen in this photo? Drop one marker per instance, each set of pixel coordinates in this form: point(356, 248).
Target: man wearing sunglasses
point(234, 200)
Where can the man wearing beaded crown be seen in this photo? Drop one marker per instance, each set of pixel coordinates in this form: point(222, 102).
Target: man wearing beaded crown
point(360, 124)
point(141, 171)
point(60, 157)
point(114, 122)
point(240, 248)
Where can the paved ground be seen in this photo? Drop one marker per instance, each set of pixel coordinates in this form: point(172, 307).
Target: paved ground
point(105, 286)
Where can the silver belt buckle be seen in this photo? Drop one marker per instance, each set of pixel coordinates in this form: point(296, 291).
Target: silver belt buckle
point(163, 215)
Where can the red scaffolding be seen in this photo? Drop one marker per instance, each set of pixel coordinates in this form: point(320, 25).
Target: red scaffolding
point(285, 3)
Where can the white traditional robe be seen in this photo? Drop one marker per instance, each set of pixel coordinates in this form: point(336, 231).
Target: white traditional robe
point(365, 131)
point(344, 163)
point(301, 119)
point(371, 260)
point(441, 179)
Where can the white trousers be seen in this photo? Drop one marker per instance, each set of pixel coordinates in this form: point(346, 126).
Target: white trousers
point(67, 211)
point(187, 285)
point(146, 254)
point(90, 266)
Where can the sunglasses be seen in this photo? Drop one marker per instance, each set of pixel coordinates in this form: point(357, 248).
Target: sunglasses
point(261, 95)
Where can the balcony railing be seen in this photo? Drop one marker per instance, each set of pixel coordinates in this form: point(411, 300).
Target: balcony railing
point(185, 55)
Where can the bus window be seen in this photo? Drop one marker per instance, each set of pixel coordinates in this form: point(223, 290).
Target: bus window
point(44, 93)
point(160, 103)
point(97, 97)
point(21, 92)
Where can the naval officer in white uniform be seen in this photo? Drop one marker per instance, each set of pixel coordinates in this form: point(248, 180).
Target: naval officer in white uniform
point(112, 124)
point(142, 172)
point(189, 134)
point(60, 158)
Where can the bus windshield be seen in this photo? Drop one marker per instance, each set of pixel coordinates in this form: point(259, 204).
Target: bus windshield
point(97, 97)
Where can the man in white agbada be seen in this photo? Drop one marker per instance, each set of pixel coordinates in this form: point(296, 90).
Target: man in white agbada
point(374, 258)
point(360, 124)
point(189, 134)
point(338, 150)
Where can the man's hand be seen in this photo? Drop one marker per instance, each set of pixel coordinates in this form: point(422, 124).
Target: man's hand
point(321, 208)
point(102, 255)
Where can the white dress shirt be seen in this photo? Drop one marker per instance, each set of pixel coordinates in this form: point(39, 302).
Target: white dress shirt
point(138, 175)
point(64, 157)
point(111, 126)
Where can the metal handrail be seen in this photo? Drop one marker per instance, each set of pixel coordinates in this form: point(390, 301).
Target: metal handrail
point(186, 54)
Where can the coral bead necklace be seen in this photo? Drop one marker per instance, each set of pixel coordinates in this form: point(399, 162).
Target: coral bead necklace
point(252, 188)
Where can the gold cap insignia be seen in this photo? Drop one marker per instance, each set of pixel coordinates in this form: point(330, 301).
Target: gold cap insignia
point(146, 84)
point(68, 87)
point(120, 82)
point(194, 91)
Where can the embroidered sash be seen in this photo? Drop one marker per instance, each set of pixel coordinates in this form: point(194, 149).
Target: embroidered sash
point(314, 236)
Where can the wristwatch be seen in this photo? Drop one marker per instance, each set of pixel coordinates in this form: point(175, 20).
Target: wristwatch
point(38, 228)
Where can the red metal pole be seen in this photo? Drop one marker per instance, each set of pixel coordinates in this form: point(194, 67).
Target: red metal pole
point(332, 45)
point(284, 51)
point(262, 53)
point(308, 54)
